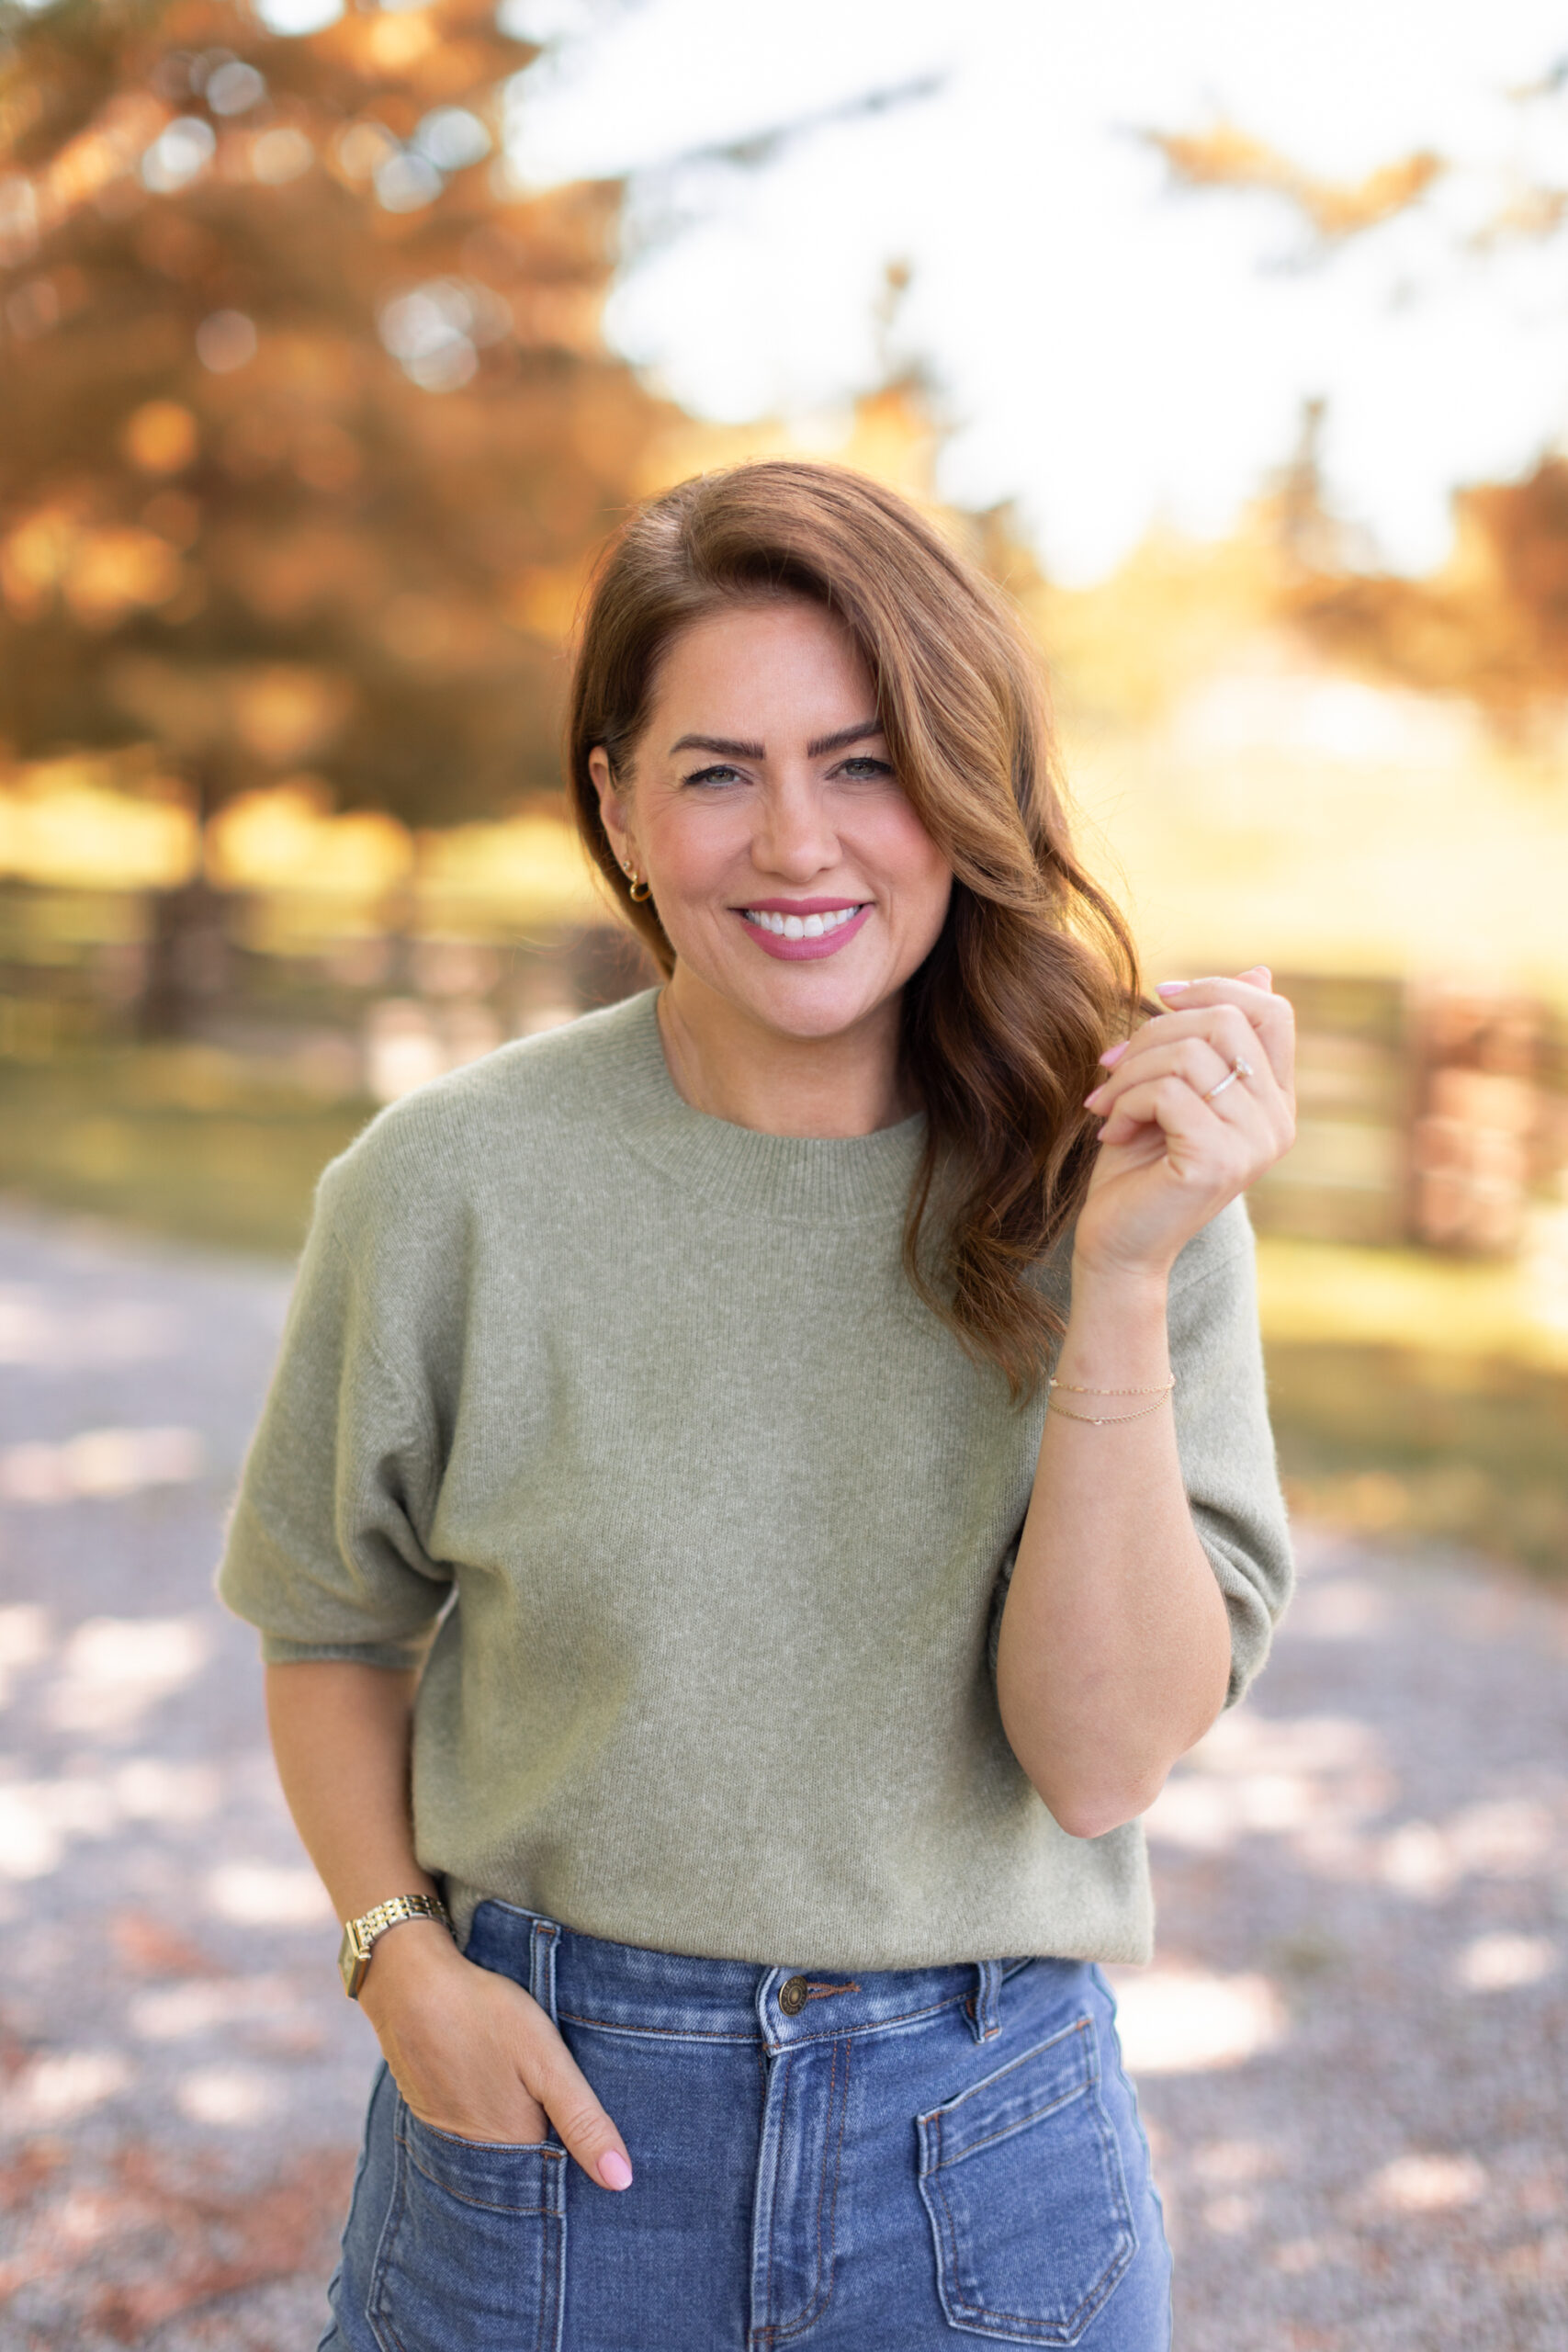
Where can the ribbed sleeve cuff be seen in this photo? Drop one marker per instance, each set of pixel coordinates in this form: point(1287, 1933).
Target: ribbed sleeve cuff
point(400, 1657)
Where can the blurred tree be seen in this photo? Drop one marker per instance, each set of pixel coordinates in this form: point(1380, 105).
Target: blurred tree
point(1227, 157)
point(1493, 623)
point(305, 423)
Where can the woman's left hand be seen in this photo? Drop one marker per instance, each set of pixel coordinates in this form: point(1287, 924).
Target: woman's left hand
point(1197, 1106)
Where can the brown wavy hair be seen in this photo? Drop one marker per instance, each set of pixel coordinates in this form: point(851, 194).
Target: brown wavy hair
point(1035, 972)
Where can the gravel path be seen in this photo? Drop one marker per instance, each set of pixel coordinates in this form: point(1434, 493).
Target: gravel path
point(1353, 2052)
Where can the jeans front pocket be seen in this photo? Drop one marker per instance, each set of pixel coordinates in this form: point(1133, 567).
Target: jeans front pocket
point(1022, 2179)
point(472, 2254)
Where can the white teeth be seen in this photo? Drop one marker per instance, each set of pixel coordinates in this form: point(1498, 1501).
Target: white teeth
point(801, 926)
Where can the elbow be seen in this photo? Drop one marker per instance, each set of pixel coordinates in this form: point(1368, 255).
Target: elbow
point(1093, 1808)
point(1094, 1812)
point(1086, 1794)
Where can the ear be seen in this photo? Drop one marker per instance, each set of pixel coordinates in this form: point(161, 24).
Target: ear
point(612, 807)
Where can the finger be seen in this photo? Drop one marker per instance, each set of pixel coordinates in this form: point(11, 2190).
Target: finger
point(520, 2122)
point(1201, 1145)
point(553, 2076)
point(1203, 1047)
point(1253, 1105)
point(1188, 1054)
point(1269, 1014)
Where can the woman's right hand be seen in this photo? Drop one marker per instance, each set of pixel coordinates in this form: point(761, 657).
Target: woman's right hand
point(475, 2056)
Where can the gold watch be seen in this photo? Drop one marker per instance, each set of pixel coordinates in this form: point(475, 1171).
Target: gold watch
point(359, 1935)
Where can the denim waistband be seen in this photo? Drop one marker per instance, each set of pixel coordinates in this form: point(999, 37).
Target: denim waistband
point(623, 1988)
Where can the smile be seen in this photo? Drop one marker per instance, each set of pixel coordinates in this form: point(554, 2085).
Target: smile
point(812, 927)
point(805, 932)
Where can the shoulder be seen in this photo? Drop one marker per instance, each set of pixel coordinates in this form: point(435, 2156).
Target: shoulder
point(507, 1119)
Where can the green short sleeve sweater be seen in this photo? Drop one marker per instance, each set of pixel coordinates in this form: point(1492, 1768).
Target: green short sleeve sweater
point(628, 1422)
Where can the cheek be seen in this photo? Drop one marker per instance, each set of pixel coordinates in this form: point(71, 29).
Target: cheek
point(917, 868)
point(694, 850)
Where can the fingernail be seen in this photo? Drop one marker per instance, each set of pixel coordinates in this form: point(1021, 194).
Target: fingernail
point(1090, 1100)
point(613, 2170)
point(1113, 1054)
point(1171, 987)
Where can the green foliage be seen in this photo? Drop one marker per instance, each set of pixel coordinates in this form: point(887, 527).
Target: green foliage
point(172, 1139)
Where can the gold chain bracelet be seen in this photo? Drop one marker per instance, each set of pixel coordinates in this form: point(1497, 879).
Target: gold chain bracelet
point(1074, 1389)
point(1113, 1420)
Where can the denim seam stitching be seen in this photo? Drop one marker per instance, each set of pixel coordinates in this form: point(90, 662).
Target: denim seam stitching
point(823, 2293)
point(1035, 2115)
point(482, 2204)
point(879, 2025)
point(783, 2331)
point(666, 2032)
point(1065, 2331)
point(1081, 2025)
point(378, 2317)
point(767, 2331)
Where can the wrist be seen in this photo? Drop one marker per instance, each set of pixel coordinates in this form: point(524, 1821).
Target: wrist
point(1129, 1290)
point(403, 1960)
point(362, 1933)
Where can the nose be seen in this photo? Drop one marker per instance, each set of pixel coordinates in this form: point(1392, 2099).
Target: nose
point(794, 837)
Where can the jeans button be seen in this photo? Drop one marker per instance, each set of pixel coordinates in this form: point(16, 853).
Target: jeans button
point(792, 1996)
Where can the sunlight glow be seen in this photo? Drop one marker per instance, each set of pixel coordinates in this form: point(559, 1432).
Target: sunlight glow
point(1180, 2021)
point(1110, 351)
point(265, 1895)
point(54, 2090)
point(114, 1668)
point(1499, 1963)
point(1432, 2184)
point(100, 1463)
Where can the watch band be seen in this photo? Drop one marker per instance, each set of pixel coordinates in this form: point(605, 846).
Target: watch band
point(359, 1935)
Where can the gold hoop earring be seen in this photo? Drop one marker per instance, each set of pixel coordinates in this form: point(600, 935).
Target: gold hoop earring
point(639, 889)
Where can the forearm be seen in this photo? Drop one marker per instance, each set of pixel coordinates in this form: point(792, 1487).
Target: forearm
point(1114, 1651)
point(340, 1735)
point(470, 2051)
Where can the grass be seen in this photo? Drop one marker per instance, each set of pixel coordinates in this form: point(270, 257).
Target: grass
point(1420, 1396)
point(176, 1140)
point(1411, 1396)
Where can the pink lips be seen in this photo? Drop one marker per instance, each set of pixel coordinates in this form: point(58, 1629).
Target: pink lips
point(802, 951)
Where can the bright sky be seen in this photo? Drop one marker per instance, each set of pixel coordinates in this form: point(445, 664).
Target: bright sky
point(1109, 351)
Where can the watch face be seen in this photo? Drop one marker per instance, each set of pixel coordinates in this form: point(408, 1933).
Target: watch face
point(351, 1964)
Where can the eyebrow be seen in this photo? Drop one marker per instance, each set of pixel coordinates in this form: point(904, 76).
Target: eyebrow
point(727, 749)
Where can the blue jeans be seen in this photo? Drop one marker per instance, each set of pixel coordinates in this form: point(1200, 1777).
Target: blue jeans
point(877, 2162)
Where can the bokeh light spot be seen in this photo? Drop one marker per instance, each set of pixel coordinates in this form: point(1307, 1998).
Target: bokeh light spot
point(226, 340)
point(181, 151)
point(160, 438)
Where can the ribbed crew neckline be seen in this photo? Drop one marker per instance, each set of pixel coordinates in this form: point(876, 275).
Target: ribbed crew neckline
point(811, 1178)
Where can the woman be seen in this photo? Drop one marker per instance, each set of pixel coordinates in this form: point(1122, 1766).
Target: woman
point(780, 1756)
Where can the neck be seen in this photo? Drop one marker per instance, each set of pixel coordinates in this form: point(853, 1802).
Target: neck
point(731, 1067)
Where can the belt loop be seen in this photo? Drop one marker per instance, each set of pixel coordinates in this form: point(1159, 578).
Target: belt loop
point(986, 2003)
point(542, 1941)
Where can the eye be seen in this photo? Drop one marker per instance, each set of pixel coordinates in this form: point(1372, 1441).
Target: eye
point(716, 775)
point(862, 769)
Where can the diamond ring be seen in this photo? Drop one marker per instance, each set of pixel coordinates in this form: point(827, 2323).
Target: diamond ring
point(1238, 1068)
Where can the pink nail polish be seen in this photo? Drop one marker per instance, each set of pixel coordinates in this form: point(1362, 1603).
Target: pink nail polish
point(1171, 987)
point(1090, 1100)
point(613, 2170)
point(1113, 1054)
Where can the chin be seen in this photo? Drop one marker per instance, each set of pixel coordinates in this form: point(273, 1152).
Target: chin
point(810, 1009)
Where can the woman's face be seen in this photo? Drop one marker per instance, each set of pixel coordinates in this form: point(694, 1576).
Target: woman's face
point(790, 873)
